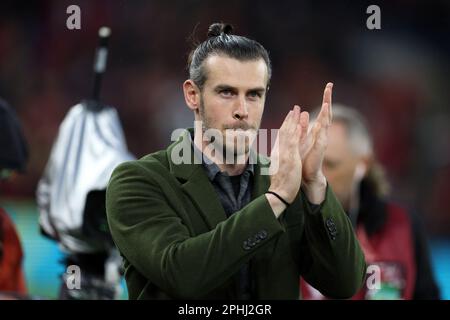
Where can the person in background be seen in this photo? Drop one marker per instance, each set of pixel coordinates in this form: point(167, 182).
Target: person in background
point(393, 240)
point(13, 157)
point(12, 280)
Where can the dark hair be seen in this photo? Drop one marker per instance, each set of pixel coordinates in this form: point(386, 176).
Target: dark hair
point(221, 41)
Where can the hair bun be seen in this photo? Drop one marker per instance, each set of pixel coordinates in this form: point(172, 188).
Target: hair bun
point(217, 29)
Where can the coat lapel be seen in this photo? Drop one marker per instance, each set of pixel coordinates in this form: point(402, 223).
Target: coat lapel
point(196, 185)
point(195, 182)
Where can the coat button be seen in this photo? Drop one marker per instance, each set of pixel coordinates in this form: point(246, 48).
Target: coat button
point(330, 223)
point(246, 246)
point(262, 234)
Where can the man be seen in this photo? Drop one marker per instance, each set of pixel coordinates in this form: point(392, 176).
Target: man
point(210, 229)
point(393, 241)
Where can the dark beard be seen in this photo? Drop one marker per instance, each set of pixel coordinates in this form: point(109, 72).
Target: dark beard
point(223, 145)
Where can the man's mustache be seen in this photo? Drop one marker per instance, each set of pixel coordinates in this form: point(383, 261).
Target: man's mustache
point(242, 126)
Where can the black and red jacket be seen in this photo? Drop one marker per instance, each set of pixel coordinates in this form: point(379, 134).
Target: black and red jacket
point(394, 241)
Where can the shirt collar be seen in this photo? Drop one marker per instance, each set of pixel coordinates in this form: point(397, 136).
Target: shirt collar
point(211, 168)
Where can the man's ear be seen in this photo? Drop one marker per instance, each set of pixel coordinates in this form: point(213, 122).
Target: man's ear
point(191, 95)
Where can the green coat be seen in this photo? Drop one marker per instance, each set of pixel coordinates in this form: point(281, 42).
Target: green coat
point(169, 225)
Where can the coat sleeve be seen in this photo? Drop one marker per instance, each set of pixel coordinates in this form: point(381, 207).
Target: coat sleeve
point(332, 259)
point(150, 234)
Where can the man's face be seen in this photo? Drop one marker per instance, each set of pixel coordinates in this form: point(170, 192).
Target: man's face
point(340, 163)
point(233, 98)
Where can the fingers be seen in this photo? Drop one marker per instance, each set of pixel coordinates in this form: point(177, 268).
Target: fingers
point(315, 134)
point(296, 125)
point(288, 130)
point(286, 120)
point(330, 107)
point(307, 139)
point(291, 121)
point(325, 120)
point(327, 99)
point(304, 123)
point(317, 137)
point(327, 93)
point(321, 140)
point(325, 115)
point(294, 135)
point(290, 118)
point(316, 130)
point(295, 118)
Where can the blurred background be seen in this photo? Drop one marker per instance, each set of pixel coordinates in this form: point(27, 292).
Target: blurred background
point(397, 77)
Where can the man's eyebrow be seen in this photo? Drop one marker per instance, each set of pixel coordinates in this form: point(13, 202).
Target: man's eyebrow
point(221, 87)
point(257, 89)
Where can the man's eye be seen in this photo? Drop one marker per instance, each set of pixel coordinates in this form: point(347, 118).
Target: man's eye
point(254, 94)
point(226, 93)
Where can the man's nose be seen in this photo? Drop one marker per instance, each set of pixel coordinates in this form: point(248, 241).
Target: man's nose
point(240, 111)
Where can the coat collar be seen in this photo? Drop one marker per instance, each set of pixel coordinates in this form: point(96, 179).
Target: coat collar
point(195, 183)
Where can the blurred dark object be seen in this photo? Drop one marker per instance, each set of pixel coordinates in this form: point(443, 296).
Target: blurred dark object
point(71, 192)
point(101, 57)
point(89, 145)
point(93, 285)
point(95, 225)
point(13, 147)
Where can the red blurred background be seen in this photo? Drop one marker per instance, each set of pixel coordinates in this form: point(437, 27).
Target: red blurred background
point(397, 76)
